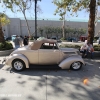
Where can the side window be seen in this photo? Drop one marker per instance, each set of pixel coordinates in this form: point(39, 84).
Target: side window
point(48, 46)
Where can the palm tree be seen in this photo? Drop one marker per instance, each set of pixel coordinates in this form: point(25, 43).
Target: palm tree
point(3, 21)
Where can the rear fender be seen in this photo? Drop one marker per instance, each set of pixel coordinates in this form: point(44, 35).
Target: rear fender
point(17, 56)
point(66, 63)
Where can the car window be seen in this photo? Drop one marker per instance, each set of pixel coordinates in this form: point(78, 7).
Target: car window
point(49, 46)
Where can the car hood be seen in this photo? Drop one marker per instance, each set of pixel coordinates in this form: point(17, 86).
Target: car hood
point(68, 49)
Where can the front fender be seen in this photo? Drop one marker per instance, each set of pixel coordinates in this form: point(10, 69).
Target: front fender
point(17, 56)
point(66, 63)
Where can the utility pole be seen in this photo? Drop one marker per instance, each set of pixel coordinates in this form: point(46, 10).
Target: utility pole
point(36, 18)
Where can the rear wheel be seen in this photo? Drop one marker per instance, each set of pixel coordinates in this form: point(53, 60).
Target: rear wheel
point(76, 65)
point(18, 65)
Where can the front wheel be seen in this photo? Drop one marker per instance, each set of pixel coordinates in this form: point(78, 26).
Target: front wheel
point(18, 65)
point(76, 65)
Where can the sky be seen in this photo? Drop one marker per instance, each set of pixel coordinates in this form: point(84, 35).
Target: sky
point(48, 9)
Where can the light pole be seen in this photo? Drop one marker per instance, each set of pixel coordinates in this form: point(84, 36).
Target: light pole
point(36, 18)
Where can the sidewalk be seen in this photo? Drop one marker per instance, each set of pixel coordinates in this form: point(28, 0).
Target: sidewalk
point(77, 43)
point(46, 84)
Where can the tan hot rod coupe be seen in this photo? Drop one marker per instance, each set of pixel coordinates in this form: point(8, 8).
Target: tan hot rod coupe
point(45, 52)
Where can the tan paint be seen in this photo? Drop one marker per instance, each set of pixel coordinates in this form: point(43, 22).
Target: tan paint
point(17, 56)
point(32, 54)
point(66, 63)
point(49, 56)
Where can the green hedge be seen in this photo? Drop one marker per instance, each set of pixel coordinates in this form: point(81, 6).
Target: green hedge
point(96, 47)
point(31, 38)
point(6, 46)
point(70, 46)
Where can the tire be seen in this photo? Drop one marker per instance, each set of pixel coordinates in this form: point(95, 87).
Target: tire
point(18, 65)
point(76, 65)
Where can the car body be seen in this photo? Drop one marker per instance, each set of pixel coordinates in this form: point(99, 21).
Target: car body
point(54, 37)
point(45, 52)
point(13, 37)
point(70, 39)
point(98, 40)
point(5, 37)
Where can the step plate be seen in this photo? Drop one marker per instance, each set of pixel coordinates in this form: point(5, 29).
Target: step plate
point(44, 66)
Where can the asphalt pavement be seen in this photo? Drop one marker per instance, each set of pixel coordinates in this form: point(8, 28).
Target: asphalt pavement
point(47, 84)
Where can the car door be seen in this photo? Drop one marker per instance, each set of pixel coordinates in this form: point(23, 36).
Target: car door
point(32, 56)
point(49, 56)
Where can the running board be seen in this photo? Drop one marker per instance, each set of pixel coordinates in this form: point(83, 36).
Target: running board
point(44, 66)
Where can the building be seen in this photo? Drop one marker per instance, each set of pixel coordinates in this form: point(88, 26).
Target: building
point(18, 26)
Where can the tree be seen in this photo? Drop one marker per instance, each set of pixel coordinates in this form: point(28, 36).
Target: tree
point(90, 5)
point(78, 5)
point(91, 23)
point(82, 31)
point(21, 5)
point(57, 32)
point(40, 31)
point(3, 21)
point(62, 7)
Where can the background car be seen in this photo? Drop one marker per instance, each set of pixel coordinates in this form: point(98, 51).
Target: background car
point(70, 39)
point(5, 37)
point(45, 52)
point(55, 38)
point(98, 40)
point(13, 37)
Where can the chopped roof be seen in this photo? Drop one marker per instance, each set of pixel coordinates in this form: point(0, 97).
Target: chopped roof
point(37, 44)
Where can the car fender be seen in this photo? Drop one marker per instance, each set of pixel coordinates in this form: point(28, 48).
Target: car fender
point(17, 56)
point(66, 63)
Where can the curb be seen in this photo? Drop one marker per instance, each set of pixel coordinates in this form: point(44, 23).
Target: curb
point(96, 53)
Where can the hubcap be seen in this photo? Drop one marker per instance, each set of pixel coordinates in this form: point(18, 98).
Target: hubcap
point(76, 65)
point(18, 65)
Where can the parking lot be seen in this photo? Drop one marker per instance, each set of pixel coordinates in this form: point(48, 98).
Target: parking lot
point(46, 84)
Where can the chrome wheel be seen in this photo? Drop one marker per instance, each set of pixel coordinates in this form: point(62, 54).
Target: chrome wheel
point(18, 65)
point(76, 65)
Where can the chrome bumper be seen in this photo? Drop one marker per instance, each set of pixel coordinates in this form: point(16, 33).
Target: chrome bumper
point(4, 61)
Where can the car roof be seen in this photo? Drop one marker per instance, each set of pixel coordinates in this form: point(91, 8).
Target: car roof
point(37, 44)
